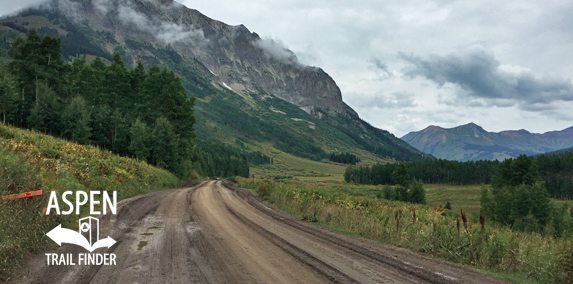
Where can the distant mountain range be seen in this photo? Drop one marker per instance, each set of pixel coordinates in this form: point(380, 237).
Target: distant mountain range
point(471, 142)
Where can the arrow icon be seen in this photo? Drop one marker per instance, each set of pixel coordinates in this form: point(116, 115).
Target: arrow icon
point(107, 242)
point(62, 235)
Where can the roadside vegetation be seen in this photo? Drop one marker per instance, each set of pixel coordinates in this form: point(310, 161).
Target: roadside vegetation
point(32, 161)
point(438, 232)
point(511, 228)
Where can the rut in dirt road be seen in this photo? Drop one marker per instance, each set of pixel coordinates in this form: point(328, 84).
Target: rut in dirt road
point(215, 233)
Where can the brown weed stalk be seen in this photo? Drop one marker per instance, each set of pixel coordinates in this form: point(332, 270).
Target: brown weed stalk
point(464, 219)
point(482, 220)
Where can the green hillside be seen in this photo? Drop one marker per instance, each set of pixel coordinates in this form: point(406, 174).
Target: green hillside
point(31, 161)
point(244, 120)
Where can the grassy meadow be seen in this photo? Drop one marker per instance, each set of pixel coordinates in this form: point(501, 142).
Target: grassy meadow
point(287, 166)
point(329, 176)
point(32, 161)
point(316, 192)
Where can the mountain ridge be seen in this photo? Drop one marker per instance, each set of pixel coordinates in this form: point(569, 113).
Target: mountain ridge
point(231, 54)
point(471, 142)
point(246, 87)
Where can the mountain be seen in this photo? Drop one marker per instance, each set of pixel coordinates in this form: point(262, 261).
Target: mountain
point(250, 92)
point(471, 142)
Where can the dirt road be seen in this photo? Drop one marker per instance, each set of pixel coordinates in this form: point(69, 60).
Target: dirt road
point(217, 234)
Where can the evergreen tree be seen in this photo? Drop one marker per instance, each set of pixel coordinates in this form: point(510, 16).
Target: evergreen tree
point(559, 221)
point(45, 115)
point(448, 205)
point(164, 145)
point(138, 76)
point(525, 207)
point(101, 125)
point(118, 91)
point(8, 94)
point(140, 138)
point(119, 132)
point(401, 176)
point(417, 192)
point(402, 179)
point(402, 193)
point(541, 205)
point(513, 172)
point(344, 158)
point(348, 173)
point(486, 203)
point(76, 121)
point(35, 60)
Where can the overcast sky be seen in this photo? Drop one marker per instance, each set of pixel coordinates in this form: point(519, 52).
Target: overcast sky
point(404, 65)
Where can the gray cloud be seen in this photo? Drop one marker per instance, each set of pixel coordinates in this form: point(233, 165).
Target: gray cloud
point(481, 75)
point(379, 65)
point(277, 50)
point(380, 68)
point(166, 32)
point(10, 7)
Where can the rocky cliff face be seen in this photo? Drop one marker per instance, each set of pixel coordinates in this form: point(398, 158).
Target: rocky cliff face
point(247, 88)
point(231, 55)
point(472, 142)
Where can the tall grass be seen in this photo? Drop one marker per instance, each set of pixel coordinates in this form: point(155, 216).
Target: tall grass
point(31, 161)
point(437, 232)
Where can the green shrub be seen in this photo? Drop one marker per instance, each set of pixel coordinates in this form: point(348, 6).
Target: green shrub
point(263, 190)
point(389, 192)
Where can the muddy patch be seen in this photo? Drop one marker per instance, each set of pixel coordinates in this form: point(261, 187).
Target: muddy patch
point(141, 245)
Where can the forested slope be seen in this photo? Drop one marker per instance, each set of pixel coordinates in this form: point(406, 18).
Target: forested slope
point(138, 112)
point(224, 112)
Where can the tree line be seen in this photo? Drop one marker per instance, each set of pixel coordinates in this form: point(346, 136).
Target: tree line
point(555, 170)
point(258, 158)
point(214, 159)
point(344, 158)
point(139, 112)
point(517, 198)
point(428, 171)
